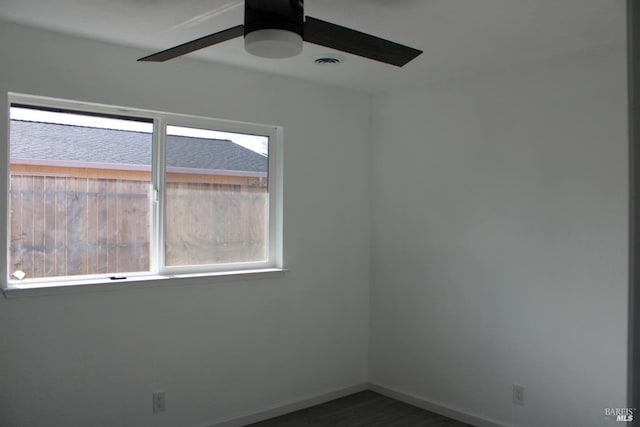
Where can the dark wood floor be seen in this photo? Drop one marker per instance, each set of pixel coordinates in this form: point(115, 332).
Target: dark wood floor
point(364, 409)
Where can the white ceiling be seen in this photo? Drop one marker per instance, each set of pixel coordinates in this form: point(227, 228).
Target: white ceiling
point(458, 37)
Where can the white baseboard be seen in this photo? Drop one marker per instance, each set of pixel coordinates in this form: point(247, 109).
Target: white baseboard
point(298, 404)
point(290, 406)
point(437, 408)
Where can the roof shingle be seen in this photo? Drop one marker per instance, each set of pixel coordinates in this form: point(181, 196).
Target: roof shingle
point(58, 142)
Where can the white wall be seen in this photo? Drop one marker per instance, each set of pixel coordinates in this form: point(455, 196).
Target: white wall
point(498, 251)
point(218, 351)
point(499, 244)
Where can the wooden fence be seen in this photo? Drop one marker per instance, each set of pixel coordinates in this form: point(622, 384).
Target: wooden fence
point(214, 223)
point(72, 225)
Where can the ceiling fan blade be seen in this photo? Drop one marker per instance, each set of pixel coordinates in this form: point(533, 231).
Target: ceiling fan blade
point(199, 19)
point(345, 39)
point(196, 44)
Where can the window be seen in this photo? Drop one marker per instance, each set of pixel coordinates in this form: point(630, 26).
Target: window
point(99, 192)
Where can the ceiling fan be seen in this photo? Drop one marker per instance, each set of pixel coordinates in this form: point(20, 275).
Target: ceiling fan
point(277, 29)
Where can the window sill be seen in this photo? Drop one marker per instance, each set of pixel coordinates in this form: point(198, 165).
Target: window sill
point(14, 290)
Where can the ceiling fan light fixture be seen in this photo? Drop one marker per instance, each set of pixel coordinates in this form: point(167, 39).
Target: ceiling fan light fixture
point(273, 43)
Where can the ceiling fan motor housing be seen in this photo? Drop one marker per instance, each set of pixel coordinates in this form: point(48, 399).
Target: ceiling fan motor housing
point(273, 28)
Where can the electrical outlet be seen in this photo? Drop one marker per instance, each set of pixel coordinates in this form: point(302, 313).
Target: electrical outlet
point(518, 394)
point(158, 401)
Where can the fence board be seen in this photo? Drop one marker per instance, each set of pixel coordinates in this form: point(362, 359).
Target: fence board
point(68, 225)
point(27, 227)
point(49, 226)
point(102, 255)
point(61, 226)
point(111, 225)
point(15, 198)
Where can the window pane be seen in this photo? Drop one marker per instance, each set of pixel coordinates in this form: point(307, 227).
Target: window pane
point(79, 194)
point(216, 206)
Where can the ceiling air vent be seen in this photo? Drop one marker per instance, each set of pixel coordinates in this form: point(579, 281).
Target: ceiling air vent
point(329, 60)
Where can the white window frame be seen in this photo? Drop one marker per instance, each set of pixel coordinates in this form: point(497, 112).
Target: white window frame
point(158, 272)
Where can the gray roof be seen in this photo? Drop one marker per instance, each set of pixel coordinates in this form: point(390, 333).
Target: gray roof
point(66, 143)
